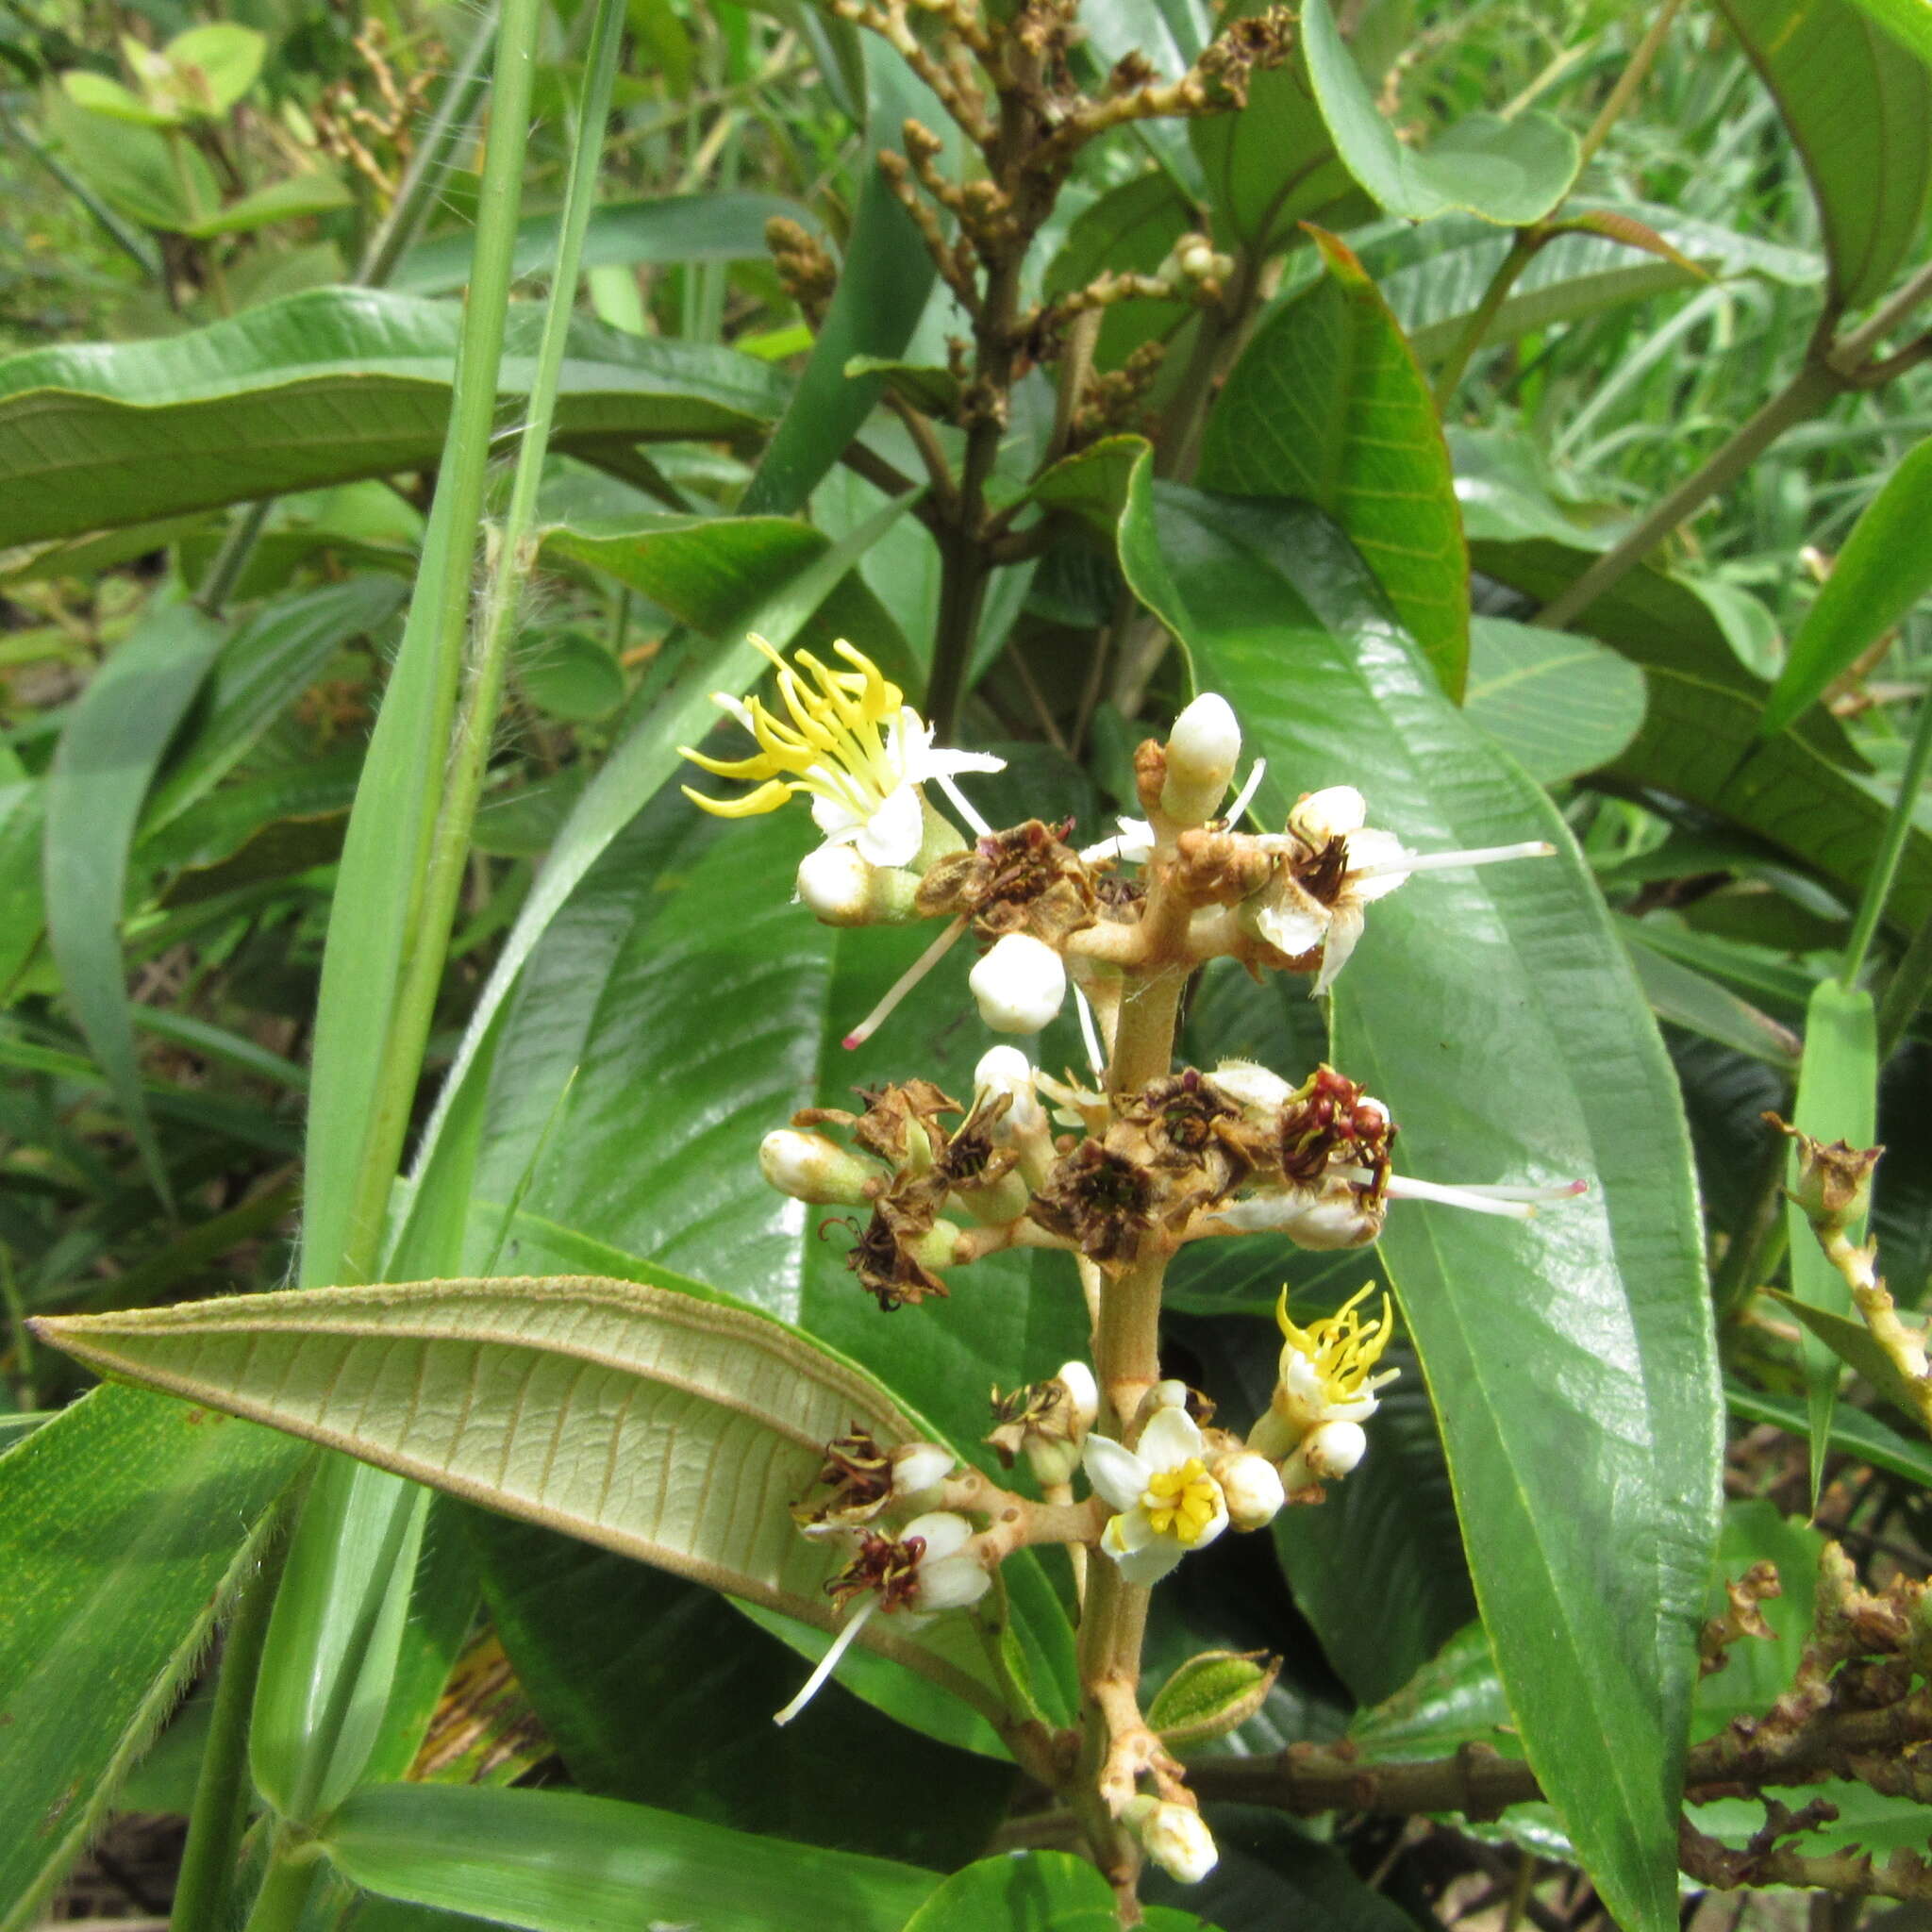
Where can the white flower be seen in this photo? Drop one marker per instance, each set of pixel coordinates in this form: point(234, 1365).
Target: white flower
point(919, 1468)
point(1167, 1502)
point(929, 1568)
point(1174, 1836)
point(854, 747)
point(1019, 985)
point(1334, 865)
point(1326, 1384)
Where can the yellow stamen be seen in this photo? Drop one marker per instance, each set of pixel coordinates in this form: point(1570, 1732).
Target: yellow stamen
point(832, 747)
point(1180, 1502)
point(1342, 1348)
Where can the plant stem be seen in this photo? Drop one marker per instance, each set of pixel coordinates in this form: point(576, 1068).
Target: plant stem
point(461, 488)
point(1879, 886)
point(1449, 377)
point(470, 752)
point(222, 1790)
point(1810, 390)
point(285, 1889)
point(231, 559)
point(1627, 83)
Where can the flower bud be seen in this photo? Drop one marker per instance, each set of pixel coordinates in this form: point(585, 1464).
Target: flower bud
point(1174, 1836)
point(812, 1167)
point(1252, 1486)
point(919, 1468)
point(1083, 1393)
point(840, 887)
point(1332, 1449)
point(1201, 755)
point(1019, 985)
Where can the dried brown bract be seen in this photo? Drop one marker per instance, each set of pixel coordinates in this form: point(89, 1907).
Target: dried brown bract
point(1028, 879)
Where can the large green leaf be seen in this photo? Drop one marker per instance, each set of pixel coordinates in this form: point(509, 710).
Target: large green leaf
point(1570, 1357)
point(663, 228)
point(1859, 109)
point(1327, 403)
point(657, 1420)
point(557, 1862)
point(1512, 171)
point(1556, 703)
point(1435, 277)
point(111, 749)
point(124, 1523)
point(317, 388)
point(1908, 22)
point(1883, 569)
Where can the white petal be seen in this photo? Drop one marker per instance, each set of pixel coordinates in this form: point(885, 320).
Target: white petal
point(1127, 1533)
point(1169, 1440)
point(942, 1531)
point(1146, 1567)
point(1343, 930)
point(947, 764)
point(836, 819)
point(893, 835)
point(1292, 928)
point(921, 1466)
point(1370, 851)
point(1132, 844)
point(1215, 1523)
point(1335, 1448)
point(1119, 1477)
point(1325, 814)
point(1248, 1085)
point(952, 1584)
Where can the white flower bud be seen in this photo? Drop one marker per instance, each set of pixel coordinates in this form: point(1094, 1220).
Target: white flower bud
point(1172, 1393)
point(1333, 1449)
point(1201, 754)
point(1196, 258)
point(1252, 1486)
point(1174, 1836)
point(1005, 1070)
point(835, 883)
point(919, 1468)
point(812, 1167)
point(1019, 985)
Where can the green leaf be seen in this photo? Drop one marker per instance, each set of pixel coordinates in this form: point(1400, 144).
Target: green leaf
point(534, 1396)
point(649, 1694)
point(1272, 163)
point(269, 662)
point(1467, 988)
point(659, 230)
point(113, 744)
point(316, 387)
point(1859, 110)
point(1837, 1100)
point(329, 1660)
point(23, 904)
point(98, 94)
point(567, 674)
point(1883, 570)
point(883, 286)
point(1133, 227)
point(1029, 1892)
point(1852, 1431)
point(1908, 22)
point(133, 168)
point(1328, 405)
point(216, 65)
point(557, 1862)
point(1558, 704)
point(124, 1523)
point(1680, 993)
point(1510, 172)
point(296, 196)
point(1433, 277)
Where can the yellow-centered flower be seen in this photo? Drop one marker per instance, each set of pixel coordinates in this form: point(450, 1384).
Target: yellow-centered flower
point(1167, 1502)
point(852, 744)
point(1324, 1392)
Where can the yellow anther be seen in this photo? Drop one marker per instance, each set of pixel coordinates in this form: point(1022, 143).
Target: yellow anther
point(1180, 1503)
